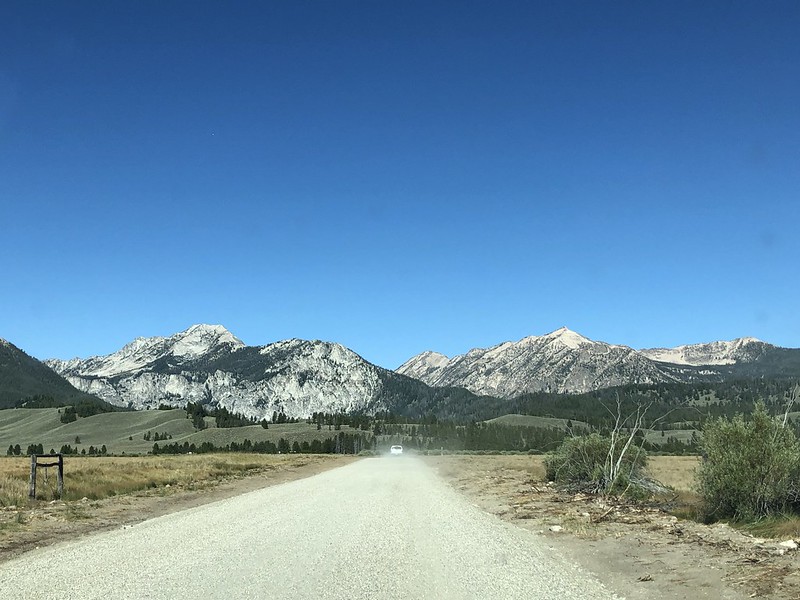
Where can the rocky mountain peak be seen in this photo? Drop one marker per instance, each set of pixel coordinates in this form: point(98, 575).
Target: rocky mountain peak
point(424, 365)
point(200, 339)
point(568, 338)
point(565, 361)
point(560, 361)
point(196, 341)
point(747, 340)
point(429, 357)
point(208, 364)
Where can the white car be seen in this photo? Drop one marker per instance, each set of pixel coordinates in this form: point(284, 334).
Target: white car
point(396, 450)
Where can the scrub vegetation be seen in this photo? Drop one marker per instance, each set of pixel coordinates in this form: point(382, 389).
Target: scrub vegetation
point(751, 468)
point(591, 463)
point(749, 472)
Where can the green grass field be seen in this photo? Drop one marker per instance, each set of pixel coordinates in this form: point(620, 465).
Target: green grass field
point(114, 430)
point(682, 435)
point(532, 421)
point(123, 432)
point(300, 432)
point(653, 436)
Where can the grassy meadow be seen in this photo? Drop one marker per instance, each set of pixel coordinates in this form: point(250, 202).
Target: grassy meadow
point(514, 420)
point(102, 477)
point(653, 436)
point(676, 472)
point(123, 432)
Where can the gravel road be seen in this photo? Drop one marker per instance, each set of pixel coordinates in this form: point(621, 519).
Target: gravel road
point(380, 528)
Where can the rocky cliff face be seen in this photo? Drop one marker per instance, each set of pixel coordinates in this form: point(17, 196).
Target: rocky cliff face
point(196, 342)
point(740, 350)
point(208, 364)
point(564, 361)
point(561, 361)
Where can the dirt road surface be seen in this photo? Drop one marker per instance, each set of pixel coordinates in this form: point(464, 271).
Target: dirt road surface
point(640, 551)
point(378, 528)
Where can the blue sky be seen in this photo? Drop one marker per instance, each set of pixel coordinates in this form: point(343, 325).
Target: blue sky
point(399, 176)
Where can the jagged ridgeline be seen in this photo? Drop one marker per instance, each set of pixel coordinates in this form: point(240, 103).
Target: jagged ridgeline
point(206, 364)
point(561, 374)
point(566, 362)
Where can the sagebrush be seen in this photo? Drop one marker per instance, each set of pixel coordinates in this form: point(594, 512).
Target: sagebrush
point(594, 463)
point(750, 468)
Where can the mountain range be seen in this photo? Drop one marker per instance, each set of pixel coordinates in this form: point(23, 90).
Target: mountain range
point(208, 364)
point(566, 362)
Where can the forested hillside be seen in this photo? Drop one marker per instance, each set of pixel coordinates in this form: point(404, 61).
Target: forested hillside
point(677, 404)
point(23, 377)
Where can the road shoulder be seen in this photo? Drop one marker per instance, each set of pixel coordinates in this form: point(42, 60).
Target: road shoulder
point(639, 552)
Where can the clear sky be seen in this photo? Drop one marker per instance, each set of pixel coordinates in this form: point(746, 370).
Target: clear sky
point(399, 176)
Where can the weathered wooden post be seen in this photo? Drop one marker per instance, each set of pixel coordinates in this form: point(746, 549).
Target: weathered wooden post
point(32, 484)
point(59, 464)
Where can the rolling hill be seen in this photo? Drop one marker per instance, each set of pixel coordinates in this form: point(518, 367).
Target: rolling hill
point(124, 432)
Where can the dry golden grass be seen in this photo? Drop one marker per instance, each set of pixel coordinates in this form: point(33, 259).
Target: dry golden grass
point(102, 477)
point(677, 472)
point(782, 528)
point(454, 465)
point(13, 491)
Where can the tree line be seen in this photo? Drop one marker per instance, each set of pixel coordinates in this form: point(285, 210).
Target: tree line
point(342, 443)
point(694, 403)
point(16, 450)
